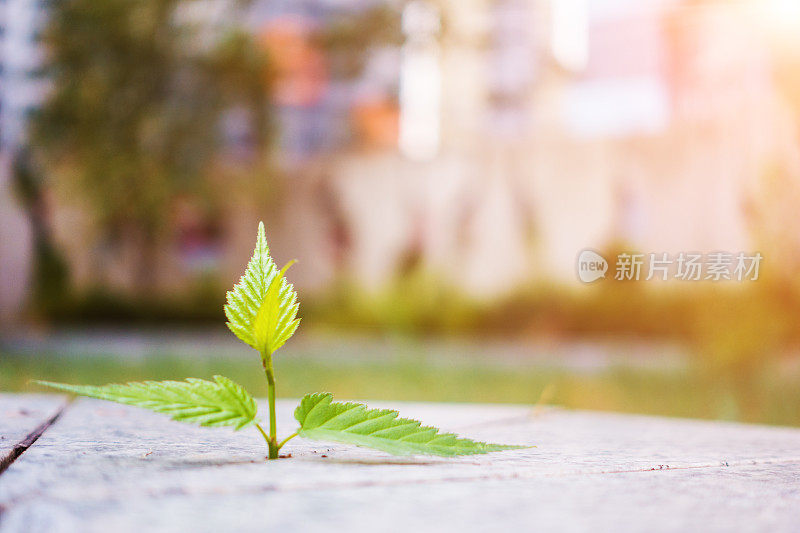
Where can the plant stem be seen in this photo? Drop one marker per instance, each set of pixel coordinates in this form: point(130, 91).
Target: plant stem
point(273, 437)
point(263, 433)
point(287, 439)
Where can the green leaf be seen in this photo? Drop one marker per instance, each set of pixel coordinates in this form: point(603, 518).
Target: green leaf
point(262, 307)
point(323, 419)
point(209, 403)
point(275, 322)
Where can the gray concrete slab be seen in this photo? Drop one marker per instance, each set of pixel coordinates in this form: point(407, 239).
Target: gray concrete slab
point(102, 466)
point(21, 415)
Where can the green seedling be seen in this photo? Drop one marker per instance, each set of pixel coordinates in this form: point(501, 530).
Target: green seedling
point(262, 312)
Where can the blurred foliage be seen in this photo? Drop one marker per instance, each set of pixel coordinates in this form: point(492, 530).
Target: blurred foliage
point(422, 303)
point(134, 118)
point(735, 333)
point(348, 37)
point(774, 397)
point(101, 306)
point(417, 302)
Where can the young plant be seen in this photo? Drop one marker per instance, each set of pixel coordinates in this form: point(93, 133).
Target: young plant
point(262, 311)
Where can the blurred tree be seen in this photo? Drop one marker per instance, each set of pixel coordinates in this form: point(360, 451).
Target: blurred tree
point(349, 37)
point(50, 270)
point(140, 88)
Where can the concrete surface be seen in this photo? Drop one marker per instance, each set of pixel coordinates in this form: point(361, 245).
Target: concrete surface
point(106, 467)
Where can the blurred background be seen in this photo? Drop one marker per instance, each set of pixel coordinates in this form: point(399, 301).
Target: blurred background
point(435, 166)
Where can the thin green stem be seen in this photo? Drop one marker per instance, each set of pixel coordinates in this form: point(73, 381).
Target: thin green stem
point(287, 439)
point(273, 423)
point(263, 433)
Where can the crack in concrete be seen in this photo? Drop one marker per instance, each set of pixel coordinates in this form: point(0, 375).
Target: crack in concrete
point(23, 445)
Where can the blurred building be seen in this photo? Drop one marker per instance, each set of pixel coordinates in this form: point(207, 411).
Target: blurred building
point(529, 130)
point(498, 138)
point(22, 88)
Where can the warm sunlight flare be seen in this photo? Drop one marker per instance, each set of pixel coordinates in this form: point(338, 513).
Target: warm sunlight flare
point(782, 17)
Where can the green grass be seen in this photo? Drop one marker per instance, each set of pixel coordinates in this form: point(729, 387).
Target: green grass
point(770, 397)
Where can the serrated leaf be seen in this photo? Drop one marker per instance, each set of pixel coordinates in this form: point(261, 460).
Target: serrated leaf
point(262, 307)
point(274, 323)
point(321, 418)
point(209, 403)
